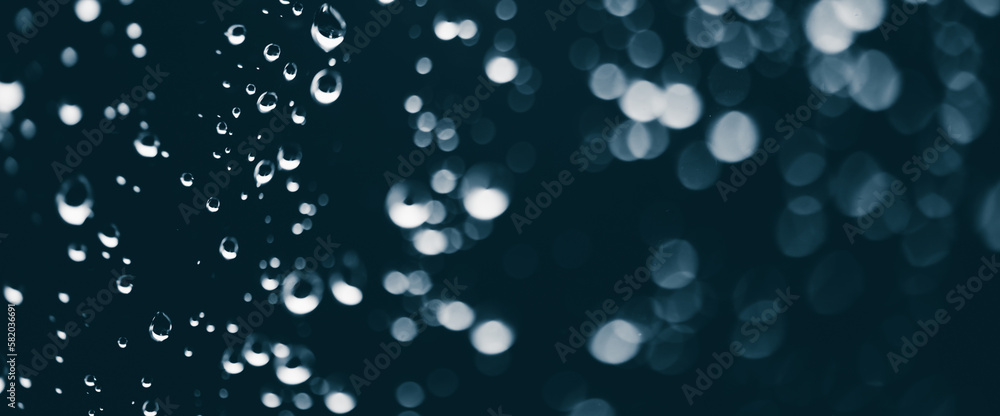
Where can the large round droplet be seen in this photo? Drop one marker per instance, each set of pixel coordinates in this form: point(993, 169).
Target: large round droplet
point(229, 248)
point(328, 28)
point(236, 34)
point(326, 86)
point(266, 102)
point(159, 327)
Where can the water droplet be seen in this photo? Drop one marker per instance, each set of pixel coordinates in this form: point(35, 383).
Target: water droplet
point(90, 380)
point(231, 362)
point(229, 248)
point(147, 144)
point(124, 283)
point(251, 89)
point(271, 52)
point(236, 112)
point(267, 102)
point(187, 179)
point(146, 382)
point(236, 34)
point(297, 9)
point(188, 352)
point(159, 327)
point(150, 408)
point(289, 156)
point(290, 70)
point(299, 116)
point(328, 28)
point(77, 252)
point(122, 342)
point(109, 236)
point(222, 128)
point(326, 86)
point(75, 200)
point(263, 172)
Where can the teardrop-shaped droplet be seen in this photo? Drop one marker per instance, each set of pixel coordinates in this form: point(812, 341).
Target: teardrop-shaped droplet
point(236, 112)
point(271, 52)
point(290, 70)
point(159, 327)
point(124, 283)
point(122, 342)
point(109, 236)
point(263, 172)
point(289, 156)
point(326, 86)
point(75, 200)
point(187, 179)
point(236, 34)
point(229, 248)
point(328, 28)
point(266, 102)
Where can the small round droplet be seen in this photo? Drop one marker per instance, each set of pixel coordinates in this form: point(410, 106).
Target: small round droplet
point(297, 9)
point(229, 248)
point(222, 128)
point(236, 34)
point(159, 327)
point(213, 204)
point(272, 52)
point(263, 172)
point(89, 380)
point(122, 342)
point(289, 156)
point(146, 382)
point(290, 70)
point(251, 89)
point(124, 283)
point(187, 179)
